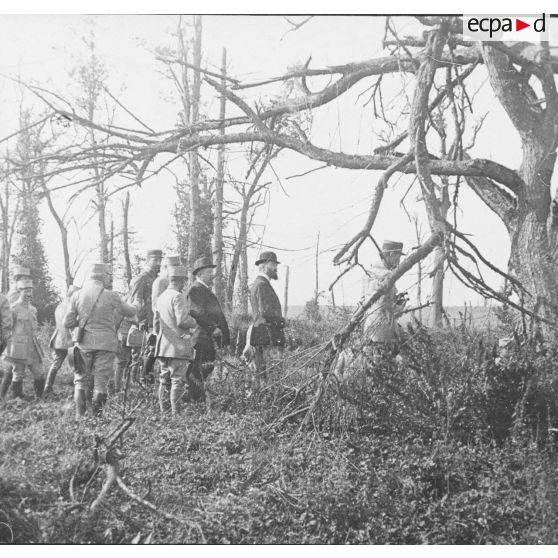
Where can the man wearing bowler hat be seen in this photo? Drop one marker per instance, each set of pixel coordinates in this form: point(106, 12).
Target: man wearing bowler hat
point(266, 334)
point(380, 325)
point(140, 294)
point(174, 348)
point(212, 328)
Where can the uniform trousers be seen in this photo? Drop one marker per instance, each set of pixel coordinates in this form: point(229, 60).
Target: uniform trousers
point(97, 364)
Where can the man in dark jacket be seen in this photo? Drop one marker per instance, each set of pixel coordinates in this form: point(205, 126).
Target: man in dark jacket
point(211, 330)
point(266, 334)
point(140, 294)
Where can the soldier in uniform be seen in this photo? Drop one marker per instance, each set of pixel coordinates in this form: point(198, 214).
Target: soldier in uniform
point(174, 348)
point(19, 272)
point(211, 329)
point(24, 351)
point(5, 334)
point(266, 334)
point(92, 310)
point(162, 282)
point(60, 341)
point(380, 324)
point(140, 293)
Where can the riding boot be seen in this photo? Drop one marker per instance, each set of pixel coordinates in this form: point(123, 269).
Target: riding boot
point(6, 381)
point(49, 384)
point(39, 387)
point(79, 399)
point(164, 404)
point(17, 388)
point(118, 375)
point(176, 398)
point(99, 400)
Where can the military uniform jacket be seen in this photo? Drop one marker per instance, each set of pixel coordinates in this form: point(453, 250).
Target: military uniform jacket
point(159, 286)
point(380, 325)
point(266, 312)
point(61, 338)
point(140, 293)
point(206, 310)
point(23, 345)
point(173, 325)
point(100, 330)
point(5, 319)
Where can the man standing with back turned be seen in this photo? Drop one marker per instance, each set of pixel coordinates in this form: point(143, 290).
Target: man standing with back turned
point(140, 293)
point(92, 310)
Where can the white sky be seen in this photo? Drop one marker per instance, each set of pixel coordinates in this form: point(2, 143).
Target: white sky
point(332, 201)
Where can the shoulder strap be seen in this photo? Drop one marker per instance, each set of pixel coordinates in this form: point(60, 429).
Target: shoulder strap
point(93, 307)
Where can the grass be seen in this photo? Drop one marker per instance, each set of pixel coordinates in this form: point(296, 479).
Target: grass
point(244, 471)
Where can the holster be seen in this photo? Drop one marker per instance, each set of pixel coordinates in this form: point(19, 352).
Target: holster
point(76, 361)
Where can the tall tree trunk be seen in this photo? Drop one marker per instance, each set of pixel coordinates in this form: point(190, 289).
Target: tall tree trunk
point(218, 220)
point(286, 294)
point(126, 237)
point(243, 282)
point(194, 165)
point(63, 235)
point(238, 247)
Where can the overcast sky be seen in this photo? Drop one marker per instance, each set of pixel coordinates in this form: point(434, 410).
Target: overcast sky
point(331, 201)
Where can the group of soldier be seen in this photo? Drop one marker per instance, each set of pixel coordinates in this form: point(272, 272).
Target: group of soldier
point(167, 317)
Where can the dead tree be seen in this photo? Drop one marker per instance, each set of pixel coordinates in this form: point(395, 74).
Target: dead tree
point(522, 198)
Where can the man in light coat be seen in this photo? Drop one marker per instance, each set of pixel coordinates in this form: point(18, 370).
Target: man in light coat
point(24, 351)
point(19, 273)
point(93, 308)
point(162, 282)
point(173, 326)
point(60, 341)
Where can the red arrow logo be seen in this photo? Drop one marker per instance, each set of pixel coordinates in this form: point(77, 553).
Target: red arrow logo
point(519, 25)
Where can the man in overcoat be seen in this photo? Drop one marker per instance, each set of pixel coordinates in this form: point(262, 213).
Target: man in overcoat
point(211, 329)
point(139, 293)
point(174, 349)
point(92, 309)
point(266, 334)
point(60, 341)
point(24, 351)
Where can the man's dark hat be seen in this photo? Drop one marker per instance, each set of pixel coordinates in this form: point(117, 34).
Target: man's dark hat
point(155, 252)
point(267, 257)
point(202, 263)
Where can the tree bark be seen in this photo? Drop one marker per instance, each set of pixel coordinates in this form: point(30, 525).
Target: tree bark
point(194, 164)
point(126, 237)
point(218, 220)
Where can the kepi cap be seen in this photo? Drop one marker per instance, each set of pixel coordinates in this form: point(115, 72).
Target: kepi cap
point(155, 252)
point(267, 257)
point(100, 269)
point(177, 271)
point(20, 270)
point(24, 284)
point(202, 263)
point(392, 246)
point(171, 261)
